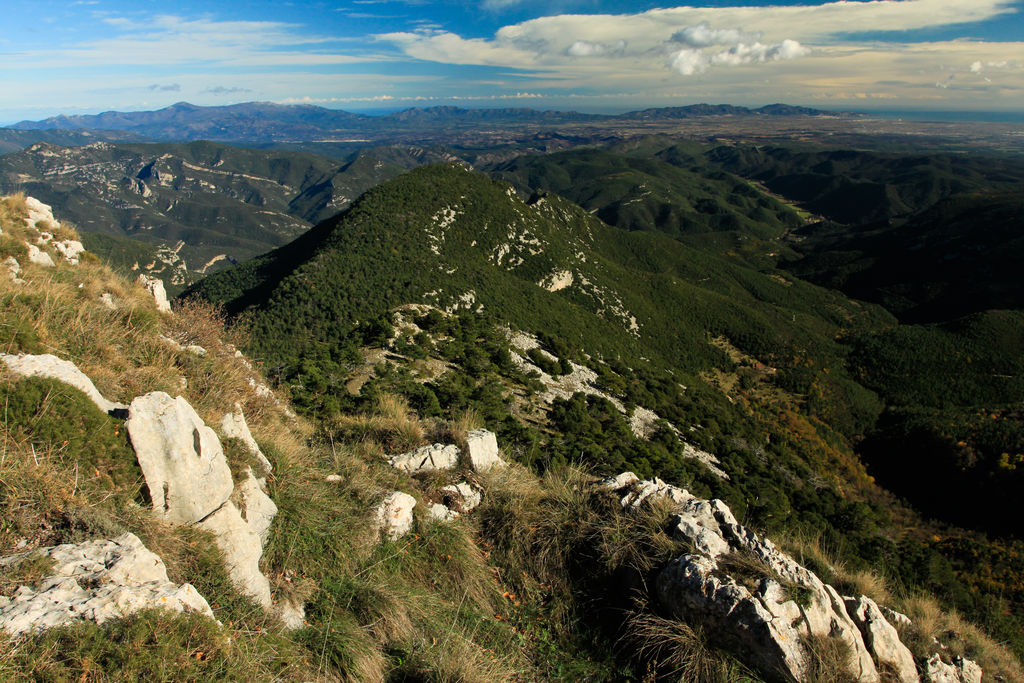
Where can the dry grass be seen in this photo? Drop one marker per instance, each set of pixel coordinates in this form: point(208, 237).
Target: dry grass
point(828, 660)
point(809, 551)
point(673, 650)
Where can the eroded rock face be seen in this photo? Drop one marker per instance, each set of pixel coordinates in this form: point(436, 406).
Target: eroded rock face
point(182, 459)
point(256, 506)
point(483, 450)
point(394, 515)
point(426, 458)
point(155, 286)
point(234, 426)
point(742, 588)
point(242, 550)
point(960, 671)
point(97, 580)
point(882, 639)
point(52, 367)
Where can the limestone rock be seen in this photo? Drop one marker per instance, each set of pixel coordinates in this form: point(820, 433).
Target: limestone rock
point(39, 257)
point(619, 481)
point(960, 671)
point(13, 270)
point(182, 459)
point(234, 426)
point(242, 551)
point(882, 639)
point(256, 506)
point(761, 620)
point(441, 513)
point(483, 450)
point(107, 299)
point(97, 580)
point(653, 489)
point(49, 366)
point(37, 211)
point(155, 286)
point(461, 497)
point(394, 515)
point(426, 458)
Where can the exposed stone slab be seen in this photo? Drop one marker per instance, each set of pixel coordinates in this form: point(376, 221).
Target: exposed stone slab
point(256, 506)
point(234, 426)
point(441, 513)
point(426, 458)
point(97, 580)
point(182, 459)
point(50, 366)
point(882, 639)
point(242, 550)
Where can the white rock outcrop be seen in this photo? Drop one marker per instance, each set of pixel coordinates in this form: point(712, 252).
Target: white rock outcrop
point(482, 447)
point(882, 639)
point(255, 505)
point(426, 458)
point(39, 257)
point(960, 671)
point(37, 211)
point(13, 270)
point(155, 286)
point(50, 366)
point(107, 299)
point(234, 426)
point(97, 580)
point(242, 550)
point(765, 616)
point(441, 513)
point(461, 497)
point(393, 516)
point(182, 459)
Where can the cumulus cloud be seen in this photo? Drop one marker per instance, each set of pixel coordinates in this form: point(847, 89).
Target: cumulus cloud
point(688, 61)
point(585, 48)
point(702, 35)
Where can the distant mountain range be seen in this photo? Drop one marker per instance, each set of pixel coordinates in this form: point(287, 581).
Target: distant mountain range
point(267, 122)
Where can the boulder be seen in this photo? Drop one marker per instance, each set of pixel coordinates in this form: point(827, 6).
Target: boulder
point(234, 426)
point(482, 446)
point(426, 458)
point(441, 513)
point(182, 459)
point(37, 211)
point(51, 367)
point(882, 639)
point(39, 257)
point(155, 286)
point(394, 515)
point(97, 580)
point(461, 497)
point(960, 671)
point(242, 550)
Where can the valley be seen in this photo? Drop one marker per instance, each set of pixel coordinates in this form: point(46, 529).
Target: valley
point(810, 320)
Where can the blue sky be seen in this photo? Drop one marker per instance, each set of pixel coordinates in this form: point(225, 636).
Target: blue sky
point(97, 55)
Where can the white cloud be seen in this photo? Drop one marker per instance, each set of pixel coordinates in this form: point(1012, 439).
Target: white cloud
point(584, 48)
point(702, 35)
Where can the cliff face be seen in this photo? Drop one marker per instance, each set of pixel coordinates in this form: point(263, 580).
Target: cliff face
point(153, 484)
